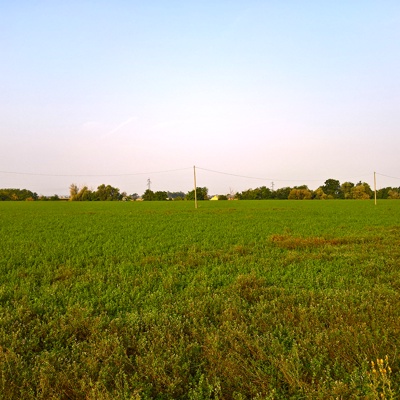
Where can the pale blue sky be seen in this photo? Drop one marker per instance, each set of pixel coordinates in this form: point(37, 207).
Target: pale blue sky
point(294, 92)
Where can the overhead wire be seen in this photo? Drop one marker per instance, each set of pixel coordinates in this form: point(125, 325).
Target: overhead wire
point(176, 170)
point(258, 178)
point(93, 175)
point(387, 176)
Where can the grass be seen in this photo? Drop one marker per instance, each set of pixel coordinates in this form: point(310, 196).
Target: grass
point(235, 300)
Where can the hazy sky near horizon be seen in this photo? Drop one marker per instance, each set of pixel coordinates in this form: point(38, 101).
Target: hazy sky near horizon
point(291, 92)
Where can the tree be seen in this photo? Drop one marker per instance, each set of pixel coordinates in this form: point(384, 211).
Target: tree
point(282, 193)
point(73, 191)
point(201, 192)
point(319, 194)
point(85, 194)
point(261, 193)
point(332, 189)
point(17, 195)
point(368, 189)
point(107, 193)
point(394, 194)
point(249, 194)
point(160, 196)
point(383, 193)
point(300, 194)
point(361, 191)
point(175, 195)
point(103, 193)
point(346, 189)
point(148, 195)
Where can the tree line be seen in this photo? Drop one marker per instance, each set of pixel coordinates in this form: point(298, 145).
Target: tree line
point(332, 189)
point(17, 195)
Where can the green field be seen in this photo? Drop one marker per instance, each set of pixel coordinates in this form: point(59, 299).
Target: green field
point(234, 300)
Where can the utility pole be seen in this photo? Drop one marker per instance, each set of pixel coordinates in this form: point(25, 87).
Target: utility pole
point(195, 187)
point(375, 185)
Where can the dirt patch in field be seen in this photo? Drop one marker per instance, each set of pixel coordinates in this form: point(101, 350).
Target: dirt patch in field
point(293, 242)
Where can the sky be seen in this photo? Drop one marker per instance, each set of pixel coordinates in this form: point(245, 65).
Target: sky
point(253, 93)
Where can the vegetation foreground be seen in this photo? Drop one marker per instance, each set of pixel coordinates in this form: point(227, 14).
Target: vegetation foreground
point(234, 300)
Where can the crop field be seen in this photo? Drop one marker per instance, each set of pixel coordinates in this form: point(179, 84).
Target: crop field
point(234, 300)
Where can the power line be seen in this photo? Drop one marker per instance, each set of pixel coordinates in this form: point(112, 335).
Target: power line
point(176, 170)
point(93, 175)
point(387, 176)
point(258, 178)
point(272, 179)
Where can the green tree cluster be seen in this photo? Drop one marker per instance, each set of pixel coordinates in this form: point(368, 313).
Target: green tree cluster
point(17, 195)
point(261, 193)
point(149, 195)
point(300, 193)
point(388, 193)
point(332, 189)
point(201, 194)
point(176, 195)
point(55, 197)
point(103, 193)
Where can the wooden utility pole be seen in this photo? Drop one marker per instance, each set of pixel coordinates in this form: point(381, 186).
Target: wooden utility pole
point(195, 187)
